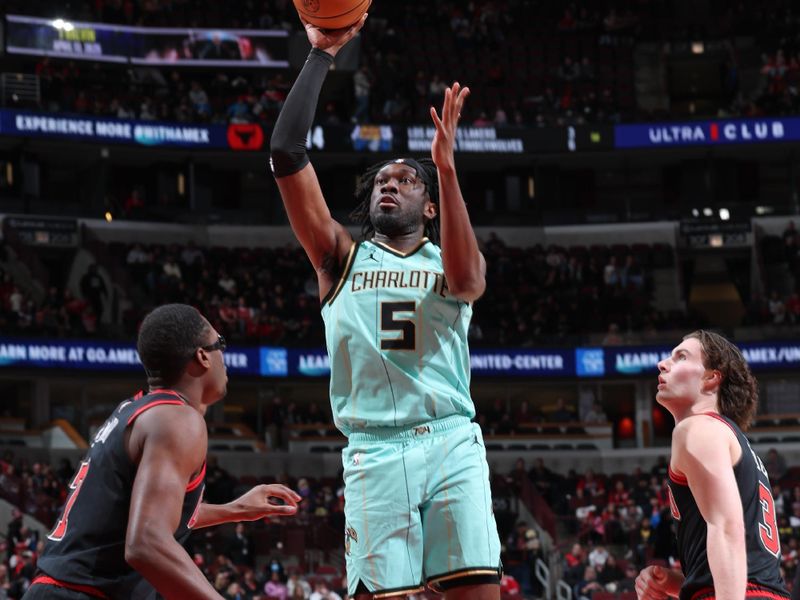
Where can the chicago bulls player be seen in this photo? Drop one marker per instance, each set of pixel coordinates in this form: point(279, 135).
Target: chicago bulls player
point(138, 491)
point(719, 490)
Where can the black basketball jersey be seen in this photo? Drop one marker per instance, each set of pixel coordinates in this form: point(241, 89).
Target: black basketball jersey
point(87, 545)
point(761, 529)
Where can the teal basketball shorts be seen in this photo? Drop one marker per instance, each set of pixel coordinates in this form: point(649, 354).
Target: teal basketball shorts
point(418, 509)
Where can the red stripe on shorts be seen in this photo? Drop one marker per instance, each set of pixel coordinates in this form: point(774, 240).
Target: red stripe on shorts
point(753, 592)
point(76, 587)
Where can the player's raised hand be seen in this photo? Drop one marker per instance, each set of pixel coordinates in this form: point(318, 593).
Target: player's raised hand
point(444, 140)
point(332, 40)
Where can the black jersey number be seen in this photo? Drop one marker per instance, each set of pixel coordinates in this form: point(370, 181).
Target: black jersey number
point(406, 326)
point(60, 530)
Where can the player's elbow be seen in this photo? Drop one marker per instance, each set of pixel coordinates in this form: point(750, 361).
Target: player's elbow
point(468, 289)
point(141, 550)
point(285, 156)
point(730, 532)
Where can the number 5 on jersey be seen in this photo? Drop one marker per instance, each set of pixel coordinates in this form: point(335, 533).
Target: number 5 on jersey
point(61, 527)
point(394, 318)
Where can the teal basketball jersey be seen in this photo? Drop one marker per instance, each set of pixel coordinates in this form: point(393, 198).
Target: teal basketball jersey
point(397, 340)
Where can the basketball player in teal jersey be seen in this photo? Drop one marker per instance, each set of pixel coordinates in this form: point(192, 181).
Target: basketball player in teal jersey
point(397, 308)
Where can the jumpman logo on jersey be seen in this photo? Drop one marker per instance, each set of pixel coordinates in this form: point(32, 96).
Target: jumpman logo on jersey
point(372, 256)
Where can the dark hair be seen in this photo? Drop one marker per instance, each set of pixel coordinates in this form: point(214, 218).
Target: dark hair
point(366, 182)
point(738, 390)
point(168, 338)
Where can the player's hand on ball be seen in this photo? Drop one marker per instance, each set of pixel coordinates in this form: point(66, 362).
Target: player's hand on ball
point(332, 40)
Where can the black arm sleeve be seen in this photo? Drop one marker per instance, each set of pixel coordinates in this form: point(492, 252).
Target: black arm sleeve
point(288, 143)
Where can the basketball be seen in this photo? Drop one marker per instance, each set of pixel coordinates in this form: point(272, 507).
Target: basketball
point(331, 14)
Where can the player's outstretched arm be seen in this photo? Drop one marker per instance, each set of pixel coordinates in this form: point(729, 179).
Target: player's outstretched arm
point(701, 450)
point(464, 265)
point(262, 501)
point(170, 443)
point(321, 236)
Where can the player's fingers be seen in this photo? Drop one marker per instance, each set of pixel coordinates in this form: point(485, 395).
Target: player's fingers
point(283, 492)
point(463, 95)
point(436, 120)
point(283, 510)
point(456, 106)
point(448, 98)
point(355, 27)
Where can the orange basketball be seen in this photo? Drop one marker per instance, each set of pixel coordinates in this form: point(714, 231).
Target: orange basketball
point(331, 14)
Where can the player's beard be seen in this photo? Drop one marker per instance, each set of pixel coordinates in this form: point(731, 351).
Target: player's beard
point(394, 223)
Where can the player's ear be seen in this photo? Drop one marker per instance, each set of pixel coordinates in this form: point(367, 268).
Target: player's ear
point(200, 362)
point(431, 210)
point(712, 378)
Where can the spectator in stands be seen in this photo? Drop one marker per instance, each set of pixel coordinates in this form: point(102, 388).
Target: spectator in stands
point(199, 100)
point(609, 572)
point(612, 336)
point(794, 518)
point(595, 414)
point(775, 464)
point(240, 547)
point(275, 587)
point(544, 480)
point(628, 581)
point(561, 414)
point(5, 583)
point(588, 585)
point(297, 587)
point(781, 497)
point(598, 556)
point(322, 592)
point(94, 290)
point(362, 84)
point(777, 308)
point(591, 485)
point(13, 531)
point(660, 470)
point(574, 561)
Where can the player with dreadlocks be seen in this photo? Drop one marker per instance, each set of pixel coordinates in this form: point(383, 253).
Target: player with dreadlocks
point(396, 307)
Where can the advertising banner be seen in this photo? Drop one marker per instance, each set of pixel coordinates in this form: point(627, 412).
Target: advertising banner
point(270, 361)
point(100, 356)
point(172, 46)
point(110, 130)
point(707, 133)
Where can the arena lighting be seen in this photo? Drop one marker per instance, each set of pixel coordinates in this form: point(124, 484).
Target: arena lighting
point(724, 214)
point(10, 173)
point(695, 212)
point(715, 240)
point(63, 25)
point(109, 216)
point(698, 48)
point(764, 210)
point(531, 187)
point(707, 212)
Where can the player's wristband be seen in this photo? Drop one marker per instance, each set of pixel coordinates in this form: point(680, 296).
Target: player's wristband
point(288, 143)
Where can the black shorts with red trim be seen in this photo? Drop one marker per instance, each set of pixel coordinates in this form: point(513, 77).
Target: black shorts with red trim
point(46, 588)
point(753, 592)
